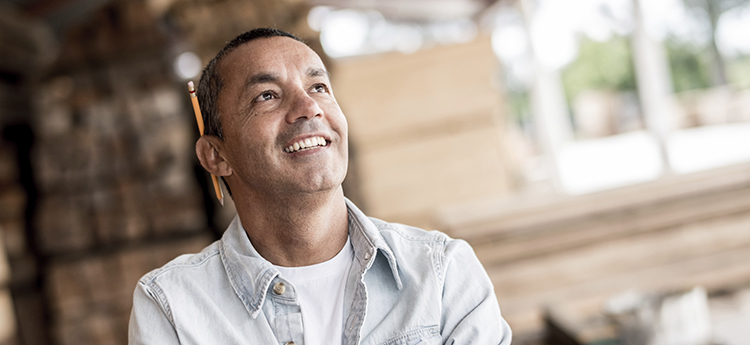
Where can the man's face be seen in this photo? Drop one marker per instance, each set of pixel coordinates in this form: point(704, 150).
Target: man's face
point(283, 129)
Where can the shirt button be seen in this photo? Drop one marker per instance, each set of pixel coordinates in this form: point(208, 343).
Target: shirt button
point(279, 289)
point(289, 343)
point(367, 256)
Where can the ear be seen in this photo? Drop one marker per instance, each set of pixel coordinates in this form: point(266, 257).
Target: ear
point(207, 149)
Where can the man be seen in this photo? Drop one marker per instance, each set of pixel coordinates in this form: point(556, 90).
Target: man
point(300, 264)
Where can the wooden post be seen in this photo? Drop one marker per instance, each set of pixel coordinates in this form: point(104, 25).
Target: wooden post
point(548, 104)
point(654, 83)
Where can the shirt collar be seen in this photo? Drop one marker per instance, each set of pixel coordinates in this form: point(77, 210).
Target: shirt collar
point(367, 241)
point(250, 275)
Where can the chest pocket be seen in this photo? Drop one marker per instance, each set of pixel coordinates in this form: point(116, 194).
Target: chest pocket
point(422, 336)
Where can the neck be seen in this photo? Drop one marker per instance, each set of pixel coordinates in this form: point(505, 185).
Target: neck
point(299, 230)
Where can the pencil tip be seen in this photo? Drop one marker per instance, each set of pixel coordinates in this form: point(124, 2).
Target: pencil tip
point(221, 202)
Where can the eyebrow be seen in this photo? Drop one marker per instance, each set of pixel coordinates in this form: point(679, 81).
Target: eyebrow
point(261, 78)
point(318, 72)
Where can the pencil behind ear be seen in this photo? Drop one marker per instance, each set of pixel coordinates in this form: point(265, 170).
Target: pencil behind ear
point(208, 155)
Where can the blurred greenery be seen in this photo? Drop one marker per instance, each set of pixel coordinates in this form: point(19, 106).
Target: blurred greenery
point(600, 65)
point(720, 6)
point(717, 66)
point(608, 66)
point(738, 72)
point(689, 65)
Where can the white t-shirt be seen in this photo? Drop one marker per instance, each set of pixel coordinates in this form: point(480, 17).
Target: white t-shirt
point(320, 289)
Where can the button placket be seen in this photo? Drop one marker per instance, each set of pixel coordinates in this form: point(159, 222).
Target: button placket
point(287, 323)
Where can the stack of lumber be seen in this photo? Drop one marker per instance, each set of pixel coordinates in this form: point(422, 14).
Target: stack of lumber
point(114, 170)
point(91, 295)
point(117, 196)
point(573, 253)
point(26, 50)
point(426, 129)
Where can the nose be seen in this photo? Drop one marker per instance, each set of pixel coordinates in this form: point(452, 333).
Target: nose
point(303, 107)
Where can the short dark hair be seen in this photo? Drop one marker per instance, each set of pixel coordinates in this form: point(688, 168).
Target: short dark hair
point(211, 82)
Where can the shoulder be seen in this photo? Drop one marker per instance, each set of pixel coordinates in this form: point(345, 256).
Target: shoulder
point(390, 230)
point(393, 231)
point(408, 243)
point(187, 265)
point(165, 289)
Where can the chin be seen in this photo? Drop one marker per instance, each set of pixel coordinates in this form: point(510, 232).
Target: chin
point(322, 185)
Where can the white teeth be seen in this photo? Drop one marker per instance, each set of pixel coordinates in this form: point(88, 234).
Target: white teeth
point(307, 143)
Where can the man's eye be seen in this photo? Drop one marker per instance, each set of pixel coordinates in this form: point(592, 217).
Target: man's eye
point(320, 88)
point(265, 96)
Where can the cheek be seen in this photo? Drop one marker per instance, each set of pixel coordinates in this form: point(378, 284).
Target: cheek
point(243, 146)
point(343, 130)
point(339, 120)
point(343, 125)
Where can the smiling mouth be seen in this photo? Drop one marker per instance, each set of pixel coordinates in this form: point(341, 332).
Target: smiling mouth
point(306, 144)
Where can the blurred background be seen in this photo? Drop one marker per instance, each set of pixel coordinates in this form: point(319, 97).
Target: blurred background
point(595, 153)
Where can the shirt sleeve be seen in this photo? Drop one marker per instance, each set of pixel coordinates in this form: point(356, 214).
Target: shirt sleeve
point(471, 314)
point(149, 324)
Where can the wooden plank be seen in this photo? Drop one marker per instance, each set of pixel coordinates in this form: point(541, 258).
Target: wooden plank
point(509, 216)
point(580, 232)
point(632, 254)
point(673, 234)
point(713, 271)
point(427, 129)
point(397, 96)
point(414, 177)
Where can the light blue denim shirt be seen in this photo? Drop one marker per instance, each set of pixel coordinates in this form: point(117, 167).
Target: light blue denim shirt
point(406, 286)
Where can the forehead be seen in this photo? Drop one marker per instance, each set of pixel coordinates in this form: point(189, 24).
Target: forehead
point(268, 54)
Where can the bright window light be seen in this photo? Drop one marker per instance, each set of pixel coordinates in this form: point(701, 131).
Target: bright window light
point(509, 43)
point(343, 33)
point(733, 31)
point(703, 148)
point(598, 164)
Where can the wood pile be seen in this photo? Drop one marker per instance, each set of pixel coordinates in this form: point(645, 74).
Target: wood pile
point(117, 196)
point(426, 129)
point(573, 253)
point(117, 169)
point(91, 295)
point(117, 193)
point(26, 51)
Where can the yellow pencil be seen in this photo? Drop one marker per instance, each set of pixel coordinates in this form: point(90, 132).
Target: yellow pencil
point(199, 119)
